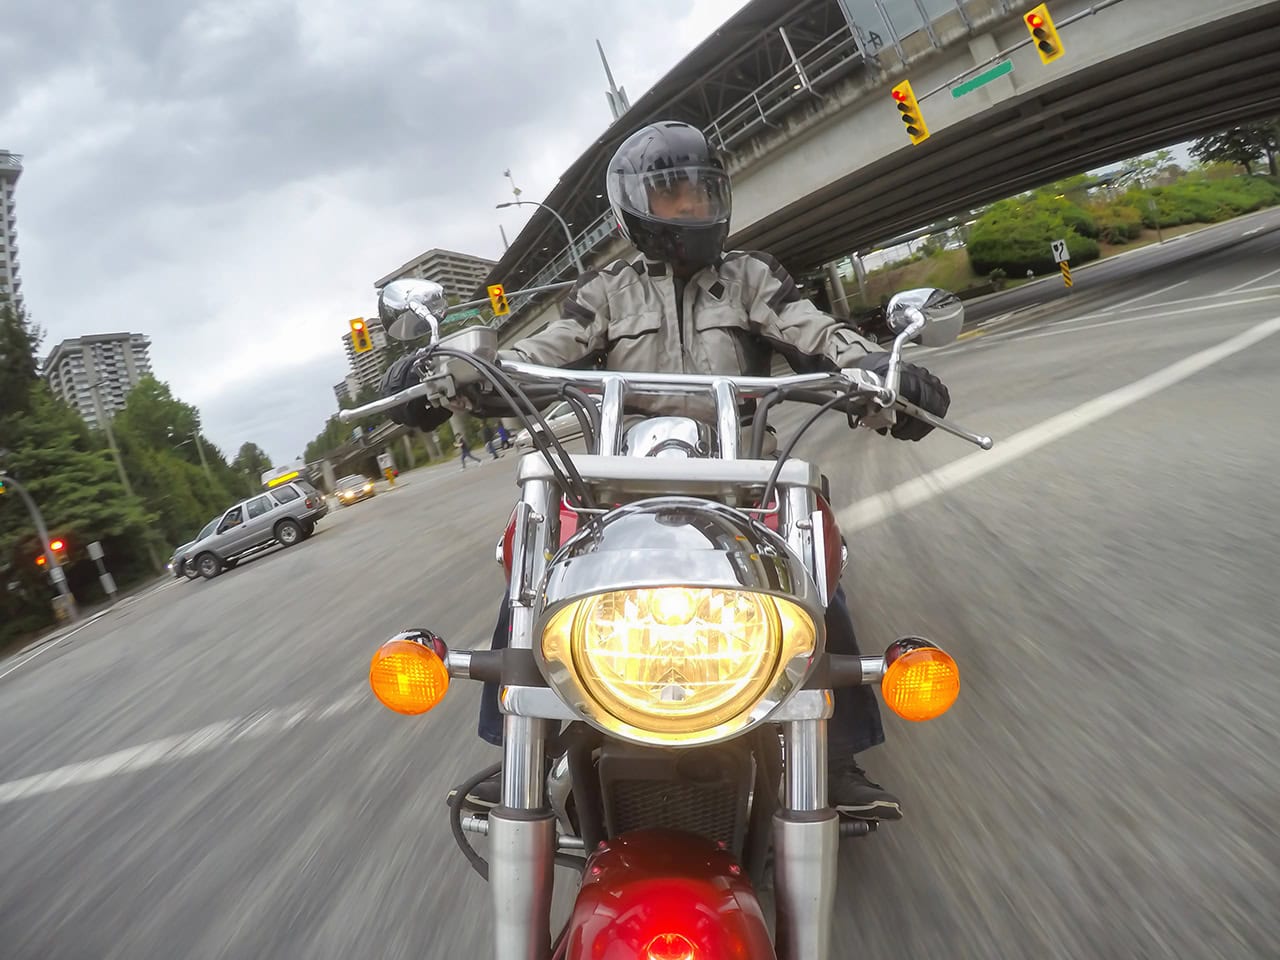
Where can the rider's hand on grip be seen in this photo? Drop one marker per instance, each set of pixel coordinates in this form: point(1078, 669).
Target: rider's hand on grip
point(915, 385)
point(416, 413)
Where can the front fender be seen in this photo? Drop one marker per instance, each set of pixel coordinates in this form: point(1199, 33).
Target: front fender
point(666, 895)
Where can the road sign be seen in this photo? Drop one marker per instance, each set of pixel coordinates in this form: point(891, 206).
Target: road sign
point(1060, 252)
point(982, 79)
point(498, 300)
point(95, 551)
point(1066, 273)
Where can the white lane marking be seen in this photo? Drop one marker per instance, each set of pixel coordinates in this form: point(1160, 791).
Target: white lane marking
point(873, 510)
point(178, 747)
point(1250, 283)
point(1018, 336)
point(1174, 286)
point(1168, 303)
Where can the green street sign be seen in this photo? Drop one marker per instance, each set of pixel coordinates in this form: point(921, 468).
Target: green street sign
point(982, 79)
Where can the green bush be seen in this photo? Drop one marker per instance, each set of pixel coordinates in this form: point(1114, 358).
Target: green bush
point(1118, 223)
point(1204, 201)
point(1015, 238)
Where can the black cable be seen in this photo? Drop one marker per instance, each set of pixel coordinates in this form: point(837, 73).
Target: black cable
point(585, 410)
point(761, 422)
point(503, 385)
point(478, 863)
point(791, 445)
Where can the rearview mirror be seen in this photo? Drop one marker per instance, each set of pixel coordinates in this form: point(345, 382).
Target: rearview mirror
point(410, 309)
point(937, 315)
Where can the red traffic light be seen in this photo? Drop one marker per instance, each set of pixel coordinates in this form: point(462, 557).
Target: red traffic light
point(57, 545)
point(900, 96)
point(1035, 21)
point(357, 325)
point(41, 561)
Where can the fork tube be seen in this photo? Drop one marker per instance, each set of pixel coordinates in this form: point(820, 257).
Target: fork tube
point(806, 836)
point(522, 830)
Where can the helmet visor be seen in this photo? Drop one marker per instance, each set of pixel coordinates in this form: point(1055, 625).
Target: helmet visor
point(694, 195)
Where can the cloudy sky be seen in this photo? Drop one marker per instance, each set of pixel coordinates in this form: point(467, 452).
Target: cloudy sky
point(229, 177)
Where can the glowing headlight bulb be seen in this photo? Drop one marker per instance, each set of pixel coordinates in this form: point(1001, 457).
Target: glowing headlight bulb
point(672, 606)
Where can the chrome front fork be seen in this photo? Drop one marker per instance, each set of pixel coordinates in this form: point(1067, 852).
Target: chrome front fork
point(806, 838)
point(522, 831)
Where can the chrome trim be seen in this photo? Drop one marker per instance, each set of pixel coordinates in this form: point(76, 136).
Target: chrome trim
point(726, 417)
point(559, 789)
point(818, 534)
point(523, 740)
point(662, 384)
point(458, 663)
point(521, 857)
point(536, 702)
point(668, 437)
point(660, 475)
point(609, 443)
point(804, 746)
point(805, 884)
point(805, 705)
point(668, 541)
point(873, 669)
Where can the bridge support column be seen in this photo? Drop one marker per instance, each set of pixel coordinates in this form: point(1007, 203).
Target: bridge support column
point(835, 291)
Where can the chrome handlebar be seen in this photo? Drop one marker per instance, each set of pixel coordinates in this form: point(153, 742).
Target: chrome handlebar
point(607, 382)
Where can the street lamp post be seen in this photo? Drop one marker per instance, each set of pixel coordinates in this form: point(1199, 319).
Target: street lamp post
point(573, 247)
point(51, 559)
point(195, 436)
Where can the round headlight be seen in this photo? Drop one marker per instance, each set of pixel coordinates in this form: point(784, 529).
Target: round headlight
point(675, 662)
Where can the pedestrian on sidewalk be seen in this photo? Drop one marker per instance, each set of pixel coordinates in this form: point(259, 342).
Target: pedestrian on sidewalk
point(465, 451)
point(503, 437)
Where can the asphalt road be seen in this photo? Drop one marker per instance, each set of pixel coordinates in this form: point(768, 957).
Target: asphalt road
point(203, 774)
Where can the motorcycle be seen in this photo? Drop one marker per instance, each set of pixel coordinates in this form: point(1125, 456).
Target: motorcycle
point(666, 690)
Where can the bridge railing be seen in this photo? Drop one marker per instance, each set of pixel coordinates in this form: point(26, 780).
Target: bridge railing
point(870, 26)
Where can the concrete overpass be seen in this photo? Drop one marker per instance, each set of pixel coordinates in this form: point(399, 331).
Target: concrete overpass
point(796, 93)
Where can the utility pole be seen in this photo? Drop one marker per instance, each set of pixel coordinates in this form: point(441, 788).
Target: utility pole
point(200, 450)
point(115, 453)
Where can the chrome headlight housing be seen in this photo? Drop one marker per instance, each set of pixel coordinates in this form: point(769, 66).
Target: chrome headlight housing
point(676, 621)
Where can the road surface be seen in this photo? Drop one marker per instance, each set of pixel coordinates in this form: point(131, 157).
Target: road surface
point(203, 773)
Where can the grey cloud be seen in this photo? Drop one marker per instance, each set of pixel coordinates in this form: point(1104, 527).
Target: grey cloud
point(230, 178)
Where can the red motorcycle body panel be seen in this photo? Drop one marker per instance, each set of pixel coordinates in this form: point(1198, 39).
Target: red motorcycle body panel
point(666, 895)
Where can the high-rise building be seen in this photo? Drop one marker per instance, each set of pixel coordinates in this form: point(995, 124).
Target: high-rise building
point(10, 278)
point(346, 390)
point(94, 374)
point(459, 273)
point(367, 367)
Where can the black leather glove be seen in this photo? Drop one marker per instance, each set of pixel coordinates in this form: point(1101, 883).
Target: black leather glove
point(416, 413)
point(915, 385)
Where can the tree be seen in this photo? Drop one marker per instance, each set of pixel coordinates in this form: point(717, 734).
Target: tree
point(252, 462)
point(1243, 145)
point(18, 369)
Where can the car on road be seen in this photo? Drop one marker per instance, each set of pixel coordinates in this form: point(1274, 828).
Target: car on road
point(286, 514)
point(178, 564)
point(353, 489)
point(562, 421)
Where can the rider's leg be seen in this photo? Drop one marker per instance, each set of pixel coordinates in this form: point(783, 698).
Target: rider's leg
point(855, 726)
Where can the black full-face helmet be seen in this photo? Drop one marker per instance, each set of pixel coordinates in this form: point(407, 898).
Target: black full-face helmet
point(670, 193)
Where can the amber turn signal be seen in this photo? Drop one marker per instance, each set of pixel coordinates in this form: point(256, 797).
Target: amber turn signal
point(921, 684)
point(408, 677)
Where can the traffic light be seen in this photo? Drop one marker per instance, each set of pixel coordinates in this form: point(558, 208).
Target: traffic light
point(909, 110)
point(58, 547)
point(1043, 33)
point(3, 488)
point(41, 561)
point(498, 300)
point(361, 342)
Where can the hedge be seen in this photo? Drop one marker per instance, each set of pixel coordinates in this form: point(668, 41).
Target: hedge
point(1017, 239)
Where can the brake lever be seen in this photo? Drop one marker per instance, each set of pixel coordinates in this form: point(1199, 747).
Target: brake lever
point(955, 430)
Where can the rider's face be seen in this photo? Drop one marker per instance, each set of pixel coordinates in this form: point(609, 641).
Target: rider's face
point(682, 200)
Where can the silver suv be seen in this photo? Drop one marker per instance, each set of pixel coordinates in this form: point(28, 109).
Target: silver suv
point(286, 514)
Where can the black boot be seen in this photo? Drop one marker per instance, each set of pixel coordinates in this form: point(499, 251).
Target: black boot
point(853, 794)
